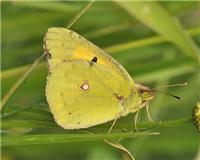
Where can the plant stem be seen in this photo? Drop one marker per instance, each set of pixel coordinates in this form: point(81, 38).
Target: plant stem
point(65, 138)
point(80, 13)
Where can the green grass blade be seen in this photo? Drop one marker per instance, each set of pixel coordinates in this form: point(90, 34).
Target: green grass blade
point(145, 41)
point(164, 73)
point(106, 30)
point(64, 138)
point(10, 124)
point(157, 18)
point(51, 6)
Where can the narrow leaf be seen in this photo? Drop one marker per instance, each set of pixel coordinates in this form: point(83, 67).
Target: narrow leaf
point(157, 18)
point(51, 6)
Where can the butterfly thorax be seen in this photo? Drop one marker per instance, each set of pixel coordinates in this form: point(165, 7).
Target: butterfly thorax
point(139, 97)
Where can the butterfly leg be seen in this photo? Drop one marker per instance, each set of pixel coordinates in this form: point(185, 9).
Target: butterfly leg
point(136, 118)
point(112, 126)
point(148, 114)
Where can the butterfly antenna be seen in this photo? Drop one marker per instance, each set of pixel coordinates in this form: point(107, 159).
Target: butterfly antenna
point(172, 85)
point(136, 118)
point(169, 94)
point(167, 86)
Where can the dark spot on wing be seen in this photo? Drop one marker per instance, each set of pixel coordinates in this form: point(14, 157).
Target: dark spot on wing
point(46, 49)
point(94, 59)
point(48, 55)
point(64, 60)
point(120, 98)
point(49, 70)
point(69, 113)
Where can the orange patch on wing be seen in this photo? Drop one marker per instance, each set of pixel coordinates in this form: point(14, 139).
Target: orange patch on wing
point(82, 53)
point(86, 54)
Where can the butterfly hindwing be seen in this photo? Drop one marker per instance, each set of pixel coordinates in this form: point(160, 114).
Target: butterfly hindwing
point(82, 95)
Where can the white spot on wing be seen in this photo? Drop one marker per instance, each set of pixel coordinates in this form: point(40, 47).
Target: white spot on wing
point(85, 86)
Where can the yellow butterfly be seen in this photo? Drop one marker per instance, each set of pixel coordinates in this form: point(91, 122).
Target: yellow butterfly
point(85, 86)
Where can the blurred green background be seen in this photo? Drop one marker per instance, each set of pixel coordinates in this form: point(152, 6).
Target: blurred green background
point(146, 41)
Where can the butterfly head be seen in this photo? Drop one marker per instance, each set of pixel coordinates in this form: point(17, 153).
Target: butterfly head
point(145, 93)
